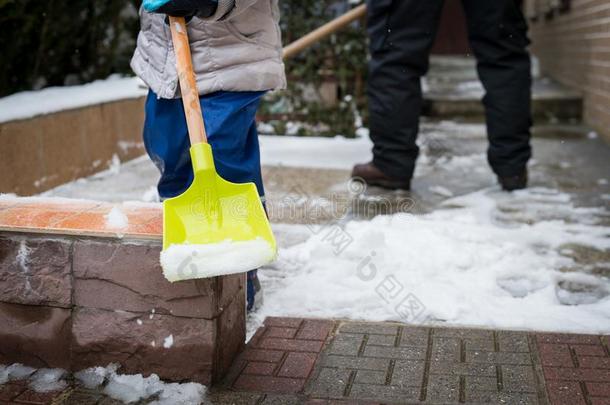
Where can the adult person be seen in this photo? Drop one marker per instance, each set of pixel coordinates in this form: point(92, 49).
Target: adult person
point(401, 34)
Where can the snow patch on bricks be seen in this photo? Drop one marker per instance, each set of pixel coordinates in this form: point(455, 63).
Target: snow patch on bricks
point(41, 380)
point(125, 388)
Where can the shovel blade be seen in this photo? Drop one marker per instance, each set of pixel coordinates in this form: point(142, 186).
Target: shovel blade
point(213, 210)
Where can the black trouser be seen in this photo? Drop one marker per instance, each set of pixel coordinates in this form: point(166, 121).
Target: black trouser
point(401, 35)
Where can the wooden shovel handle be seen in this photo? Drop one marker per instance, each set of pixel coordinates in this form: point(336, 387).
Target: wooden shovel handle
point(324, 31)
point(188, 84)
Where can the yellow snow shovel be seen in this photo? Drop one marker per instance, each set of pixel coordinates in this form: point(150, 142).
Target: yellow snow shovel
point(215, 227)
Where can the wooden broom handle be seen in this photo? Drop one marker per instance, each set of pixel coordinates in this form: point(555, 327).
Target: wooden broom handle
point(186, 75)
point(324, 31)
point(188, 84)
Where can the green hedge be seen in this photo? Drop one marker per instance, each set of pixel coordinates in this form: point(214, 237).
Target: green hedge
point(59, 42)
point(66, 42)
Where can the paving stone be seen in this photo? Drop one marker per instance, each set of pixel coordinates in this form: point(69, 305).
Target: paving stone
point(446, 348)
point(593, 362)
point(478, 383)
point(408, 373)
point(414, 336)
point(9, 391)
point(557, 355)
point(512, 341)
point(259, 368)
point(358, 363)
point(498, 357)
point(283, 322)
point(384, 393)
point(481, 369)
point(381, 340)
point(489, 397)
point(567, 338)
point(297, 365)
point(35, 398)
point(518, 378)
point(478, 345)
point(330, 383)
point(315, 329)
point(574, 374)
point(273, 356)
point(280, 332)
point(291, 345)
point(268, 384)
point(369, 327)
point(280, 400)
point(443, 388)
point(346, 344)
point(370, 377)
point(598, 389)
point(399, 353)
point(464, 333)
point(589, 350)
point(234, 398)
point(565, 393)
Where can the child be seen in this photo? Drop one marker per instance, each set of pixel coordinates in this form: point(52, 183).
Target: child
point(237, 57)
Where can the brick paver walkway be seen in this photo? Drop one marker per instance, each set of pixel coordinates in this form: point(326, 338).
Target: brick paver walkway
point(378, 363)
point(296, 361)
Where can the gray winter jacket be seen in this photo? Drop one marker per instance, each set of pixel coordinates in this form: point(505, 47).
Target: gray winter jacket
point(236, 49)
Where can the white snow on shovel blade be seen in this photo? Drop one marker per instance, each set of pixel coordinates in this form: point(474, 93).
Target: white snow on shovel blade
point(189, 261)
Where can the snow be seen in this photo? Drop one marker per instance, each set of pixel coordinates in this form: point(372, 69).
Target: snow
point(29, 104)
point(188, 261)
point(133, 388)
point(116, 219)
point(168, 342)
point(472, 262)
point(442, 191)
point(93, 377)
point(15, 371)
point(48, 379)
point(314, 152)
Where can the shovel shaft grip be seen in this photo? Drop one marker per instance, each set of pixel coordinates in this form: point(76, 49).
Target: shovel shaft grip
point(188, 84)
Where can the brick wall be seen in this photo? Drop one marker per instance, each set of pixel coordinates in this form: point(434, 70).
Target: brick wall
point(572, 42)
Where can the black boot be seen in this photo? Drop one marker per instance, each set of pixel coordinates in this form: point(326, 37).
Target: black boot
point(517, 182)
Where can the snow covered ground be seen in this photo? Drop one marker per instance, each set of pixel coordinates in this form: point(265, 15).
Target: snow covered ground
point(487, 259)
point(481, 258)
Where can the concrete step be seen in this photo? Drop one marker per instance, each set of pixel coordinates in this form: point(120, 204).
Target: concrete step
point(452, 89)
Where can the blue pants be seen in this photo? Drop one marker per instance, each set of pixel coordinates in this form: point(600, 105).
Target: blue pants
point(231, 129)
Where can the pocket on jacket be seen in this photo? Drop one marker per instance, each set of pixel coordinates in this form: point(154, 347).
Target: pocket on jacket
point(237, 34)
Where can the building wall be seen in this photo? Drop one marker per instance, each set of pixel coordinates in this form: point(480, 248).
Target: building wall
point(572, 41)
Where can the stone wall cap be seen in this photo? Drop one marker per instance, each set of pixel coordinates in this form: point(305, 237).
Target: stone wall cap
point(75, 217)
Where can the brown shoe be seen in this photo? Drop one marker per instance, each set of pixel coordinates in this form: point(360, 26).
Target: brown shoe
point(375, 177)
